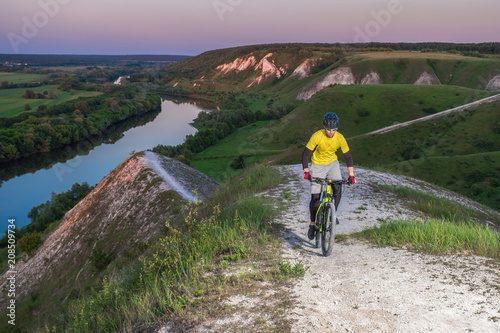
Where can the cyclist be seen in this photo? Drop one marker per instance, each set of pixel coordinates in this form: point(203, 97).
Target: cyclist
point(323, 146)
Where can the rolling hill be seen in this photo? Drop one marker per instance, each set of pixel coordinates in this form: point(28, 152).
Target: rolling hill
point(368, 90)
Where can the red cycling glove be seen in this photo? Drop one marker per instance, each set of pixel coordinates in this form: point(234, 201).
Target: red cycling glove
point(351, 180)
point(307, 176)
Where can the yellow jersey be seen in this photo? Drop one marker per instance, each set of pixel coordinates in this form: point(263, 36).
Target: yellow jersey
point(325, 148)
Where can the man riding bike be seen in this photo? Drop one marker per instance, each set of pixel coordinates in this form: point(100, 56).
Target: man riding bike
point(323, 146)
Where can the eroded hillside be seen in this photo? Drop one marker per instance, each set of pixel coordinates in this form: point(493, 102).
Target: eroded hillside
point(306, 69)
point(109, 226)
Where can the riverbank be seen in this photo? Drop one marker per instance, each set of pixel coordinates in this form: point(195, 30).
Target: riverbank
point(89, 161)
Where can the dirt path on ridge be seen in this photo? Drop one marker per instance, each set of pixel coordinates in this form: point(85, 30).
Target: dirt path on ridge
point(361, 288)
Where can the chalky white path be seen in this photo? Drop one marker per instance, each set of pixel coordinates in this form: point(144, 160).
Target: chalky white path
point(361, 288)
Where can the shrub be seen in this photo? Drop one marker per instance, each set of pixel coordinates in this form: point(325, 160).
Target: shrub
point(238, 163)
point(29, 242)
point(411, 151)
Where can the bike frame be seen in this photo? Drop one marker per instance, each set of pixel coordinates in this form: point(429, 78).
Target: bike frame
point(325, 196)
point(327, 199)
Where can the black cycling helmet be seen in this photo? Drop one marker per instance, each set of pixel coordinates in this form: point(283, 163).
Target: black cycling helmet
point(331, 121)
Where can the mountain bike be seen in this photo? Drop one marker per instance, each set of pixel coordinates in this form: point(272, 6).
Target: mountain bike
point(326, 216)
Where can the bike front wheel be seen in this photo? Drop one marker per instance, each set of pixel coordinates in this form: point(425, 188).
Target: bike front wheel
point(328, 230)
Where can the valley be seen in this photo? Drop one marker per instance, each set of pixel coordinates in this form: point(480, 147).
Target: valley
point(146, 254)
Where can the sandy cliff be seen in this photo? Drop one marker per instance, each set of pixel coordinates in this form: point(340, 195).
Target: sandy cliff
point(127, 208)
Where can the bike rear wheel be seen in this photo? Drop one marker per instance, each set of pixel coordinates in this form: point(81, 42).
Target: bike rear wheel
point(328, 230)
point(319, 222)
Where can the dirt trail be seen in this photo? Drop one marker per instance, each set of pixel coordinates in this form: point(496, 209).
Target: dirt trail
point(360, 288)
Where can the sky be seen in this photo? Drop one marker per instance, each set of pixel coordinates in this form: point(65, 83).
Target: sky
point(191, 27)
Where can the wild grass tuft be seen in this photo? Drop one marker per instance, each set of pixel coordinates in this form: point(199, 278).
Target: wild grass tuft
point(435, 207)
point(287, 270)
point(436, 237)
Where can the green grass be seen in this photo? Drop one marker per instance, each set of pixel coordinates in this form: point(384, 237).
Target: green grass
point(185, 272)
point(459, 152)
point(363, 109)
point(431, 205)
point(215, 161)
point(21, 77)
point(436, 237)
point(444, 147)
point(236, 143)
point(466, 72)
point(12, 104)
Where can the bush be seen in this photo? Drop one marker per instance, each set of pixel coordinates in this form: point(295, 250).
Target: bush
point(410, 152)
point(238, 163)
point(29, 242)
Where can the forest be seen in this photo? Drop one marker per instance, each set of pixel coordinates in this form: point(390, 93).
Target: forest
point(51, 128)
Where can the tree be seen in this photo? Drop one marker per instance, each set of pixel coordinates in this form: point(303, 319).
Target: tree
point(29, 94)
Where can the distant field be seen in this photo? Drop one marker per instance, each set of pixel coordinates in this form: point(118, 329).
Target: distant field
point(421, 55)
point(11, 102)
point(21, 77)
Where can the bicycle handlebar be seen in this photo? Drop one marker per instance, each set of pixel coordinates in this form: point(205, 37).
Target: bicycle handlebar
point(328, 181)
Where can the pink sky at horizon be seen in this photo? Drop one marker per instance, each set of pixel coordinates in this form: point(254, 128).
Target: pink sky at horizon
point(190, 28)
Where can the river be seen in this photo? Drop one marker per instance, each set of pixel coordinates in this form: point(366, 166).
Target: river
point(19, 193)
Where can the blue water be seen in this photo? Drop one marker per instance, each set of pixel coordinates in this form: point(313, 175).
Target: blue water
point(18, 195)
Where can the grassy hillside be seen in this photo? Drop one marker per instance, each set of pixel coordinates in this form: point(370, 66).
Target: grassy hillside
point(361, 108)
point(471, 138)
point(459, 152)
point(455, 70)
point(124, 278)
point(393, 67)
